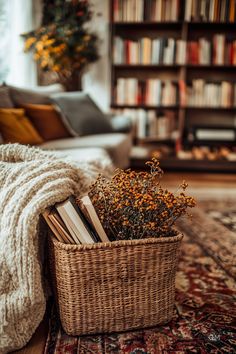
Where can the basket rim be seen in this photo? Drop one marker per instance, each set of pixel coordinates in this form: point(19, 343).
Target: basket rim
point(115, 244)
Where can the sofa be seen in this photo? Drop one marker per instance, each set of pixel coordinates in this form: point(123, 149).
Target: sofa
point(69, 123)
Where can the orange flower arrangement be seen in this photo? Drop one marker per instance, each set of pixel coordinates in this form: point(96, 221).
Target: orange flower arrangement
point(133, 205)
point(63, 44)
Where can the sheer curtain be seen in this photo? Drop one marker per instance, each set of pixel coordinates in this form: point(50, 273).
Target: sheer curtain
point(4, 38)
point(22, 16)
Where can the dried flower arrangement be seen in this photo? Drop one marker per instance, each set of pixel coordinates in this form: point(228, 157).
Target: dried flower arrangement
point(63, 44)
point(133, 205)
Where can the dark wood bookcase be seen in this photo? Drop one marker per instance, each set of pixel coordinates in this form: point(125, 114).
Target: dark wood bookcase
point(185, 116)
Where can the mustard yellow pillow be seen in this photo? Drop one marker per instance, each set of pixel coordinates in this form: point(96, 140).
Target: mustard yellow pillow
point(15, 127)
point(47, 121)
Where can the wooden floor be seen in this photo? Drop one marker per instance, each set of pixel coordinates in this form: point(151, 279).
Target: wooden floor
point(215, 185)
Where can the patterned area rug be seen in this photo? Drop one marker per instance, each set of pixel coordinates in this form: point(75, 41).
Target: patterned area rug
point(205, 310)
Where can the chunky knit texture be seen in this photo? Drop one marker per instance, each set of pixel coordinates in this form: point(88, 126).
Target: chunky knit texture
point(30, 181)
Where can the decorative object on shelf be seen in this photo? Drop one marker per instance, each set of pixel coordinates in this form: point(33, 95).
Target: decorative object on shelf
point(62, 44)
point(133, 205)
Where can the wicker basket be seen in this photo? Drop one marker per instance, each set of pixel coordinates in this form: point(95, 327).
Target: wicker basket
point(115, 286)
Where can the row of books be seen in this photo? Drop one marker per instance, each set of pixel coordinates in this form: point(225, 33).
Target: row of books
point(216, 52)
point(170, 10)
point(210, 10)
point(170, 51)
point(159, 126)
point(75, 221)
point(155, 92)
point(131, 91)
point(149, 51)
point(206, 94)
point(146, 10)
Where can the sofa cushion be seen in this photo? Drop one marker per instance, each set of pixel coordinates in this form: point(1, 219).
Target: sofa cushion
point(5, 98)
point(36, 95)
point(15, 127)
point(82, 113)
point(117, 145)
point(47, 121)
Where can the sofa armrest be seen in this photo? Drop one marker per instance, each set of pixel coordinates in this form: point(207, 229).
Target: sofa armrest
point(120, 123)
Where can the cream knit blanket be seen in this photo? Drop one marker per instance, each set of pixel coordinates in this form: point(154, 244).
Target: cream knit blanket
point(30, 181)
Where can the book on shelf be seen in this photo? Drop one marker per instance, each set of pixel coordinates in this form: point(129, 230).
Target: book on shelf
point(75, 221)
point(90, 213)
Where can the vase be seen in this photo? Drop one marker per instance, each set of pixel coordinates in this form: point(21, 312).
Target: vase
point(72, 82)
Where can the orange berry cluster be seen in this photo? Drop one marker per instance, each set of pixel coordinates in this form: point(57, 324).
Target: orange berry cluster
point(133, 205)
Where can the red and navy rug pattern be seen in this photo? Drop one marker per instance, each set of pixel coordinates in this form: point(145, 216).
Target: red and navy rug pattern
point(205, 309)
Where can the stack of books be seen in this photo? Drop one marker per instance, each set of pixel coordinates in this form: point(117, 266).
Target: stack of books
point(210, 10)
point(75, 221)
point(146, 10)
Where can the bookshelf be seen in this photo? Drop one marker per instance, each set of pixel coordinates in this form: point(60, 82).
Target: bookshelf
point(177, 78)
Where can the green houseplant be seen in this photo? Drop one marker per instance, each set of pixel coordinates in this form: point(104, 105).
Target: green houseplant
point(62, 44)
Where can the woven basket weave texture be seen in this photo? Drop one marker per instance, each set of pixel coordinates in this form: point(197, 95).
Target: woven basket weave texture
point(115, 286)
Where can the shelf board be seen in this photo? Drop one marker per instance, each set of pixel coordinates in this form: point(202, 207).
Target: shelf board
point(144, 106)
point(211, 143)
point(204, 108)
point(173, 163)
point(198, 165)
point(210, 67)
point(175, 24)
point(156, 140)
point(192, 108)
point(148, 24)
point(172, 66)
point(209, 25)
point(147, 66)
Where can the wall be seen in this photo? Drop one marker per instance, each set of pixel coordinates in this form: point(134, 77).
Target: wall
point(97, 80)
